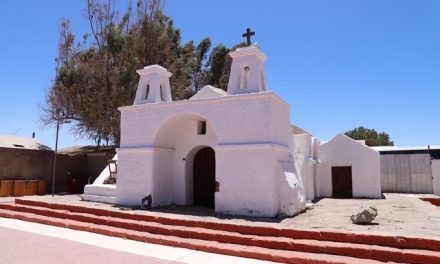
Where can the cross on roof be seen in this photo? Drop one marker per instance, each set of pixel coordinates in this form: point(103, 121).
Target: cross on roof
point(248, 35)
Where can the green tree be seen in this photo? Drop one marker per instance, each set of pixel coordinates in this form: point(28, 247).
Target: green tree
point(371, 136)
point(97, 74)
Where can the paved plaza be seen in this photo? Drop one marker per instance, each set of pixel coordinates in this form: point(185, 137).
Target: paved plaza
point(31, 243)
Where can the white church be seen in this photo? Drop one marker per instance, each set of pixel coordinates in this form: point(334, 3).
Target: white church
point(234, 151)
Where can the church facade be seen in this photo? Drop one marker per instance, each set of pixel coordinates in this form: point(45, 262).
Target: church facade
point(233, 151)
point(228, 150)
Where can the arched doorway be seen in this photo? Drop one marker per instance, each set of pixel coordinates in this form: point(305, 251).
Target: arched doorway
point(204, 177)
point(176, 143)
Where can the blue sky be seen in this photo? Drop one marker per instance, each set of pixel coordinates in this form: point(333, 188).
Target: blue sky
point(340, 64)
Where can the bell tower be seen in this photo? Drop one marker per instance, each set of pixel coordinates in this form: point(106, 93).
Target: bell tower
point(248, 74)
point(153, 86)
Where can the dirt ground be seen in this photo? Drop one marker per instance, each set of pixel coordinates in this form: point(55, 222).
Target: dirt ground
point(398, 214)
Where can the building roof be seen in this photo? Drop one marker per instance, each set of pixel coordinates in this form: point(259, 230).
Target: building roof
point(208, 92)
point(17, 142)
point(341, 136)
point(298, 131)
point(81, 150)
point(404, 149)
point(433, 151)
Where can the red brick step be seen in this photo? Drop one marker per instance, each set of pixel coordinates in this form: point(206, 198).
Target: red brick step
point(313, 246)
point(284, 256)
point(282, 243)
point(370, 239)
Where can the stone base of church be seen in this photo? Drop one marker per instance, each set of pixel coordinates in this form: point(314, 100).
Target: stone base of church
point(102, 193)
point(135, 175)
point(99, 198)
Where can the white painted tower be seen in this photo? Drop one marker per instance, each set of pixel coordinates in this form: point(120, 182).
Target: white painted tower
point(248, 74)
point(154, 85)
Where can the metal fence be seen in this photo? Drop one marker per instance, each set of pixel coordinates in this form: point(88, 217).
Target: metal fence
point(406, 173)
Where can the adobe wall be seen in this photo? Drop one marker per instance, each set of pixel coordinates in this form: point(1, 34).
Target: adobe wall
point(22, 164)
point(365, 163)
point(303, 146)
point(73, 171)
point(25, 164)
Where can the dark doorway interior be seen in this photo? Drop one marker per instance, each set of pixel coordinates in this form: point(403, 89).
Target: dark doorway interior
point(204, 177)
point(342, 182)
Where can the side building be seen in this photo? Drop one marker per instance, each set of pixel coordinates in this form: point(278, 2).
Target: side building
point(410, 169)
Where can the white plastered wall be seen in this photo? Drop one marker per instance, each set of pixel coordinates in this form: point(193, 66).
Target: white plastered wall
point(290, 189)
point(135, 170)
point(303, 146)
point(247, 182)
point(248, 144)
point(343, 151)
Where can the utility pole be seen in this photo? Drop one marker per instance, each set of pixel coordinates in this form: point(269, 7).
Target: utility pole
point(55, 154)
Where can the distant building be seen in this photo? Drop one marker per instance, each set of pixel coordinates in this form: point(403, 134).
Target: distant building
point(17, 142)
point(23, 158)
point(410, 169)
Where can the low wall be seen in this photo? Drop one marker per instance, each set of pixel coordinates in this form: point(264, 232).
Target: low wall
point(72, 172)
point(25, 164)
point(75, 171)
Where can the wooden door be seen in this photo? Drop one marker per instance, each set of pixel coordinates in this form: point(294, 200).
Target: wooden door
point(204, 177)
point(342, 182)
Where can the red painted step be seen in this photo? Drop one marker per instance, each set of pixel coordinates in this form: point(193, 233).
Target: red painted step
point(381, 240)
point(282, 243)
point(353, 245)
point(283, 256)
point(434, 201)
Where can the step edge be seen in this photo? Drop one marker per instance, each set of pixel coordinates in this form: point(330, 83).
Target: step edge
point(171, 239)
point(330, 248)
point(401, 242)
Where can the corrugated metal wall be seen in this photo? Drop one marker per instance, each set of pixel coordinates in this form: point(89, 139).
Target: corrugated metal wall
point(406, 173)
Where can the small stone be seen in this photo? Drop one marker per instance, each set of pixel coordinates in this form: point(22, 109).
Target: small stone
point(364, 216)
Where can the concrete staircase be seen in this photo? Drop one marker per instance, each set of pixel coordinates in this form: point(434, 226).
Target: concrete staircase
point(101, 191)
point(259, 242)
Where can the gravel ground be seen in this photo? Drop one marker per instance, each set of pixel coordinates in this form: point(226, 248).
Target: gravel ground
point(398, 214)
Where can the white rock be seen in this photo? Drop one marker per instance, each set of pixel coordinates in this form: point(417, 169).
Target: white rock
point(365, 215)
